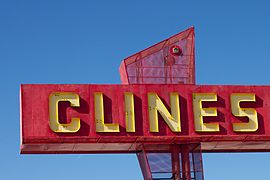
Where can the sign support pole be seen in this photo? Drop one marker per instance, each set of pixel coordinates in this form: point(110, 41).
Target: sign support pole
point(176, 162)
point(185, 162)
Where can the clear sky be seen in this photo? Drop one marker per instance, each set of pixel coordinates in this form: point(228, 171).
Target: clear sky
point(84, 41)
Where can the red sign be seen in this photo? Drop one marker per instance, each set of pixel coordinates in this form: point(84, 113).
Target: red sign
point(119, 118)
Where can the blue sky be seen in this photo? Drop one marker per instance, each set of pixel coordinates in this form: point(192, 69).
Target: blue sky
point(85, 41)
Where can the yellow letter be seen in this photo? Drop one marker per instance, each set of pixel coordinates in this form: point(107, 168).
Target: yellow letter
point(155, 105)
point(129, 109)
point(200, 112)
point(237, 111)
point(54, 99)
point(99, 116)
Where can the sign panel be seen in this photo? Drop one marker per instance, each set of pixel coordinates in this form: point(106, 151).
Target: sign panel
point(120, 118)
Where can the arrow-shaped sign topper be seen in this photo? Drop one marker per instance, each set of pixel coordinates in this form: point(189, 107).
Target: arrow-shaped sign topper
point(168, 62)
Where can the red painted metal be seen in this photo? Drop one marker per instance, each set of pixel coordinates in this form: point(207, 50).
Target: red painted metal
point(185, 163)
point(168, 62)
point(143, 161)
point(160, 64)
point(176, 170)
point(179, 162)
point(37, 136)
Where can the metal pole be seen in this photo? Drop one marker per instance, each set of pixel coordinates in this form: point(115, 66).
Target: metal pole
point(185, 162)
point(176, 162)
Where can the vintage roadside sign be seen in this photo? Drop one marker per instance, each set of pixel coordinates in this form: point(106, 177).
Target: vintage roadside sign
point(117, 118)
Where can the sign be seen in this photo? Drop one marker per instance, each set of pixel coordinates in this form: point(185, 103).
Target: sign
point(119, 118)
